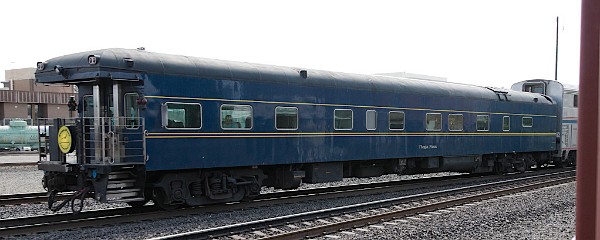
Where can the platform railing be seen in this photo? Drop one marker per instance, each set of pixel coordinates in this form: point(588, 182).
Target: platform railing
point(110, 140)
point(102, 140)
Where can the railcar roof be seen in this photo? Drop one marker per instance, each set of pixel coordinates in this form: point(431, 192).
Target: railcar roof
point(137, 64)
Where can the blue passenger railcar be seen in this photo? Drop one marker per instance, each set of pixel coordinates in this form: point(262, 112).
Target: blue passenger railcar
point(185, 130)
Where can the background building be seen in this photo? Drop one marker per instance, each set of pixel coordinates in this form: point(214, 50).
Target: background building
point(21, 97)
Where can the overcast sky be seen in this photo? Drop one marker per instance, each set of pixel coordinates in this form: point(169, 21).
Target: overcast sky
point(487, 43)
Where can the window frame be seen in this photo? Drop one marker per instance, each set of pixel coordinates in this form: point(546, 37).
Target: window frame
point(390, 121)
point(367, 120)
point(528, 87)
point(351, 118)
point(462, 126)
point(441, 122)
point(488, 123)
point(165, 116)
point(282, 129)
point(523, 124)
point(503, 129)
point(138, 111)
point(83, 107)
point(221, 117)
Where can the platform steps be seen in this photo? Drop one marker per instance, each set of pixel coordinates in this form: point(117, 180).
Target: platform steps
point(122, 187)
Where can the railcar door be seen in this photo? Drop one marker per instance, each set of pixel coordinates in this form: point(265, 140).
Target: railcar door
point(113, 128)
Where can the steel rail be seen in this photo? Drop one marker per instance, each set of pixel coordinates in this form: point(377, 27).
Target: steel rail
point(13, 153)
point(335, 227)
point(40, 197)
point(17, 164)
point(21, 198)
point(25, 225)
point(278, 221)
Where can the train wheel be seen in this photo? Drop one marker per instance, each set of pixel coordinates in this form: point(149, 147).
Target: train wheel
point(521, 165)
point(499, 168)
point(559, 164)
point(159, 197)
point(572, 159)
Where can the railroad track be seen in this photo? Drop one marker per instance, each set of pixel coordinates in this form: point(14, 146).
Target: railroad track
point(13, 164)
point(25, 198)
point(26, 225)
point(13, 153)
point(318, 223)
point(41, 197)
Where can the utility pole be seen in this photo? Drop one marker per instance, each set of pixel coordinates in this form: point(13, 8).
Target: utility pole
point(556, 55)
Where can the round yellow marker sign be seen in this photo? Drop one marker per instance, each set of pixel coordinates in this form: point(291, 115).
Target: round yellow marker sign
point(65, 140)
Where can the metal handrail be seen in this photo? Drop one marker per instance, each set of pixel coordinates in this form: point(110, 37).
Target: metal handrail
point(113, 148)
point(104, 140)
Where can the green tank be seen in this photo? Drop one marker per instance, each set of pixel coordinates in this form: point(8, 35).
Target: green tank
point(19, 136)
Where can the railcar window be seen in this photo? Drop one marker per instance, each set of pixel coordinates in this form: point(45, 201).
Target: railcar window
point(111, 107)
point(535, 88)
point(371, 120)
point(396, 120)
point(483, 122)
point(236, 117)
point(527, 122)
point(342, 119)
point(455, 122)
point(132, 111)
point(434, 121)
point(182, 115)
point(286, 118)
point(575, 100)
point(88, 106)
point(506, 123)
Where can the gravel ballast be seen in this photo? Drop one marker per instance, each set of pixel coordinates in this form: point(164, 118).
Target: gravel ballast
point(20, 179)
point(547, 213)
point(501, 221)
point(542, 214)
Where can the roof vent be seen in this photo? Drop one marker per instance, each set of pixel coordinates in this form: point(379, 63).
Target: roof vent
point(128, 62)
point(303, 73)
point(141, 48)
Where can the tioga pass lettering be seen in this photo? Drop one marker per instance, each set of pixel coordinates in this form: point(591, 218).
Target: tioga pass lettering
point(424, 147)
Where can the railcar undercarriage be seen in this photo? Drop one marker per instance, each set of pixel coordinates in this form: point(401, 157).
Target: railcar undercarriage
point(172, 189)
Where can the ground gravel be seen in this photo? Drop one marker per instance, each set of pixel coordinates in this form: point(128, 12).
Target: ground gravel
point(547, 213)
point(20, 179)
point(502, 222)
